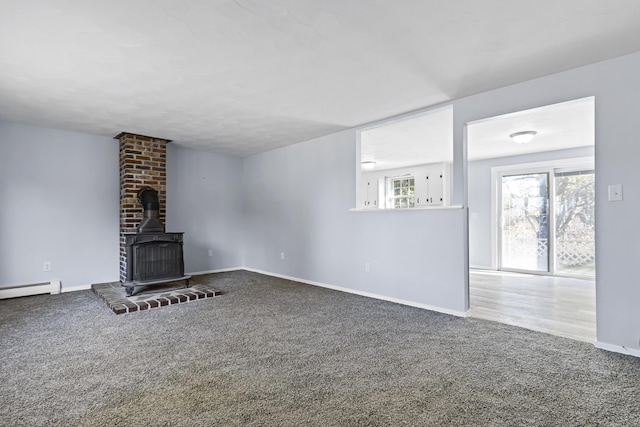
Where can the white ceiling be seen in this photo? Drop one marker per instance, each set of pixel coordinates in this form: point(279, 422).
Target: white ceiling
point(414, 140)
point(558, 126)
point(427, 137)
point(245, 76)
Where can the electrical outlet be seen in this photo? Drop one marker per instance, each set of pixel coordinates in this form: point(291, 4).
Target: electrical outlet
point(210, 252)
point(46, 266)
point(282, 255)
point(615, 192)
point(367, 267)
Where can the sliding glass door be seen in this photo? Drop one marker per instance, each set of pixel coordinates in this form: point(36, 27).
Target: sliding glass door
point(525, 222)
point(575, 239)
point(542, 237)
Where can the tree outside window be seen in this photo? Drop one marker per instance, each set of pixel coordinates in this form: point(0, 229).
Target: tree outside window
point(404, 193)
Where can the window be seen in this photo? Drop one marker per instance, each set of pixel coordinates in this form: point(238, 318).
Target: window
point(403, 193)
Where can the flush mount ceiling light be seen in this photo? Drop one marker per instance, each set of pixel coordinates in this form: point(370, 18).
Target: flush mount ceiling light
point(523, 137)
point(368, 164)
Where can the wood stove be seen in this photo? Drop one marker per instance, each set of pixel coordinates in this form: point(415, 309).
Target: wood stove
point(153, 256)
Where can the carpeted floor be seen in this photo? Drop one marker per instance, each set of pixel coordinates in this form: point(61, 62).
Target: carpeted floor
point(271, 352)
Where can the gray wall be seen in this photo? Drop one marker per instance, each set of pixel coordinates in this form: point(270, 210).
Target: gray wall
point(297, 201)
point(204, 200)
point(479, 197)
point(58, 202)
point(614, 84)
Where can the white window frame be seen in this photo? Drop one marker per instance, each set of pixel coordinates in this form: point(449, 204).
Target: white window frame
point(392, 197)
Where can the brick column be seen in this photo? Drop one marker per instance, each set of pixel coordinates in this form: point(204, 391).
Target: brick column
point(142, 164)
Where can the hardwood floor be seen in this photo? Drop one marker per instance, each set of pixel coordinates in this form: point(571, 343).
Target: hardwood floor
point(555, 305)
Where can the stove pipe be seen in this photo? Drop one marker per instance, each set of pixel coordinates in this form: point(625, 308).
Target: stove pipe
point(148, 198)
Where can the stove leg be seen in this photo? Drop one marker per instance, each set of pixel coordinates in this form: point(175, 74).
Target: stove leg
point(129, 290)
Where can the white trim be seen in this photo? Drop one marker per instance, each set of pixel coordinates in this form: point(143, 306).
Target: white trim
point(446, 184)
point(364, 294)
point(358, 170)
point(617, 348)
point(57, 286)
point(496, 217)
point(571, 163)
point(75, 288)
point(52, 288)
point(480, 267)
point(421, 208)
point(220, 270)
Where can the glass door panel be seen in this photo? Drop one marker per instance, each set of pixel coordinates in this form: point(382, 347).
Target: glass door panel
point(575, 251)
point(525, 222)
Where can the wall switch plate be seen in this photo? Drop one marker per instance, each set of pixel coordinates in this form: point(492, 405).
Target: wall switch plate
point(282, 255)
point(367, 267)
point(46, 266)
point(210, 252)
point(615, 192)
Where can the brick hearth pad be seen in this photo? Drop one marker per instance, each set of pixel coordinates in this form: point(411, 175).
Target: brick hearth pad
point(114, 295)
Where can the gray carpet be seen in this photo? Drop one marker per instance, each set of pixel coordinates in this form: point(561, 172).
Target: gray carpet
point(271, 352)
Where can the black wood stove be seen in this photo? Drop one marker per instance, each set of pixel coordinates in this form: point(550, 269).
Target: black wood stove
point(153, 256)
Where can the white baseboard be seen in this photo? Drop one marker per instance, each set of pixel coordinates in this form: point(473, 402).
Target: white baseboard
point(52, 287)
point(480, 267)
point(617, 348)
point(362, 293)
point(75, 288)
point(220, 270)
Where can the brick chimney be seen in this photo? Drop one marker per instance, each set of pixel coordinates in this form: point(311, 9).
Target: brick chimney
point(142, 164)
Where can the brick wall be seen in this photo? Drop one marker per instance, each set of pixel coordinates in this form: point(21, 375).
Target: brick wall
point(142, 164)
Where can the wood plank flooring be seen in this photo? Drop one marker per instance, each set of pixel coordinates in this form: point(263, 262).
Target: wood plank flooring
point(555, 305)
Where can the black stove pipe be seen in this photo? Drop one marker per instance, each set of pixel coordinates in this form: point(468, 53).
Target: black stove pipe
point(148, 198)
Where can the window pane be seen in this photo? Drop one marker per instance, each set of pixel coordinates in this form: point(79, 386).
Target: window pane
point(575, 223)
point(403, 193)
point(525, 225)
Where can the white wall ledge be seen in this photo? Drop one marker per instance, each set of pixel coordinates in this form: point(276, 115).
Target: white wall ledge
point(422, 208)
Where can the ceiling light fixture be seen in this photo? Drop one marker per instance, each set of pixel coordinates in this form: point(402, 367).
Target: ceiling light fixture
point(368, 164)
point(523, 137)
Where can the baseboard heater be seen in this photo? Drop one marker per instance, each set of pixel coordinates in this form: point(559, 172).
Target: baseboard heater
point(26, 290)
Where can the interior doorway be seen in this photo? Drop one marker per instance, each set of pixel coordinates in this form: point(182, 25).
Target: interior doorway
point(531, 218)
